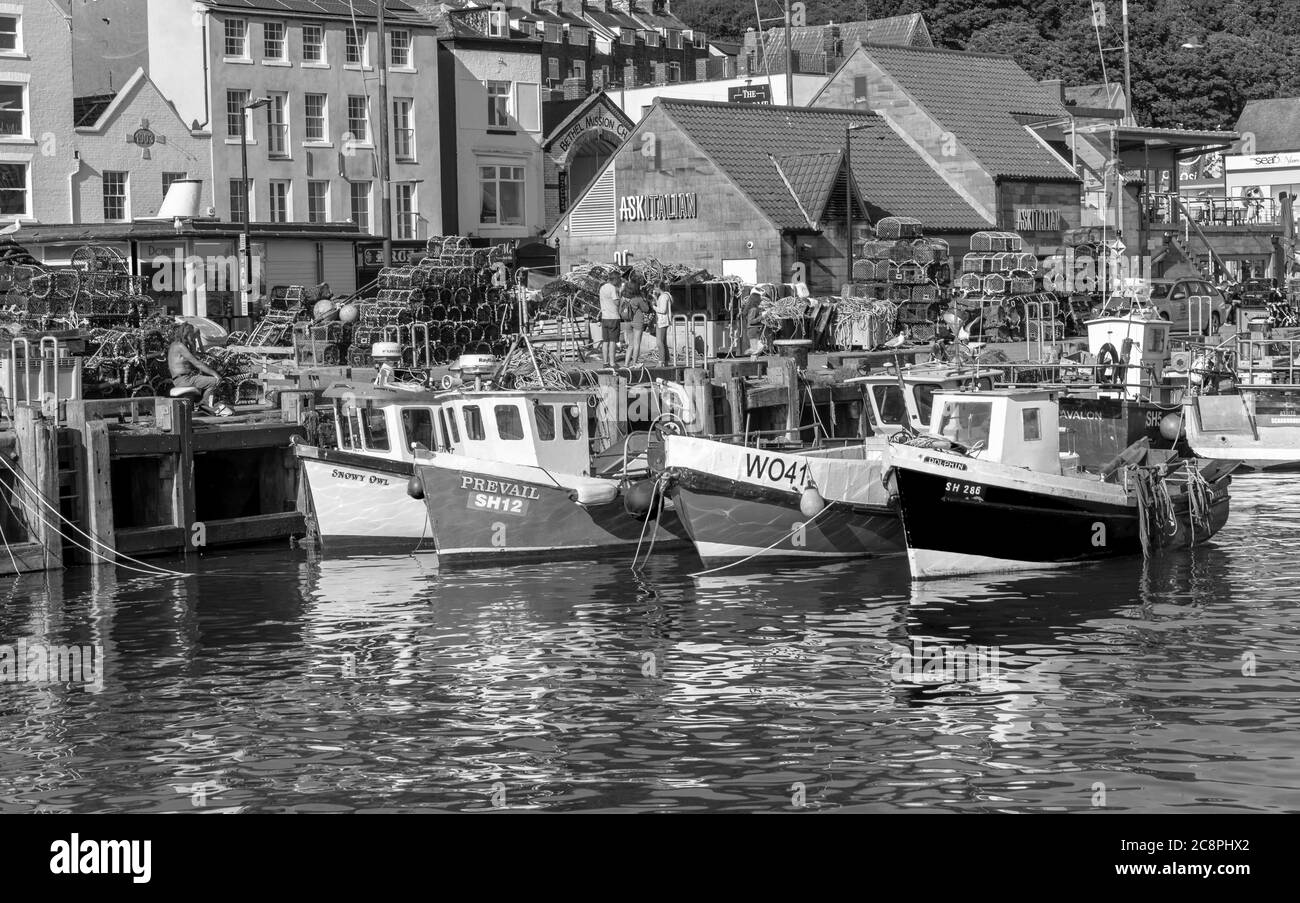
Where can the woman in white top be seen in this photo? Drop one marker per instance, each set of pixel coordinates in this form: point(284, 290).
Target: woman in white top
point(663, 308)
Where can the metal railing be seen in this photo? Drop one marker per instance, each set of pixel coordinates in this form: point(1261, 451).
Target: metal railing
point(1212, 211)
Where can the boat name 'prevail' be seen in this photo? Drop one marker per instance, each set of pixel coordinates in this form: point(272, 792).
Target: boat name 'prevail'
point(478, 484)
point(955, 465)
point(359, 477)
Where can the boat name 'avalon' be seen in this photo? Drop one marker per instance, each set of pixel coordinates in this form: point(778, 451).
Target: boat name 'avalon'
point(478, 484)
point(636, 207)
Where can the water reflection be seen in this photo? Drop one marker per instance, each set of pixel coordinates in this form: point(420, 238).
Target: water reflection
point(277, 681)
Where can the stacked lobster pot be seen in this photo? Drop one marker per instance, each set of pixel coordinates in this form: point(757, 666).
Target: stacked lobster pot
point(455, 300)
point(999, 285)
point(903, 267)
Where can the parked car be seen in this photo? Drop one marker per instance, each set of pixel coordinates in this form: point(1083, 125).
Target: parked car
point(1177, 300)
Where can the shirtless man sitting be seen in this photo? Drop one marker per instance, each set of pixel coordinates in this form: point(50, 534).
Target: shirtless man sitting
point(188, 371)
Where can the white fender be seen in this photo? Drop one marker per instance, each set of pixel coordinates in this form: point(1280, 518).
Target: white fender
point(589, 494)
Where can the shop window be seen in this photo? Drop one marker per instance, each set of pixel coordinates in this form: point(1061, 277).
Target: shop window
point(544, 417)
point(13, 189)
point(13, 110)
point(473, 423)
point(376, 429)
point(417, 427)
point(502, 192)
point(572, 421)
point(509, 424)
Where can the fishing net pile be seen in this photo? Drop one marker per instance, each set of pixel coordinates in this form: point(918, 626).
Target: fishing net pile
point(576, 294)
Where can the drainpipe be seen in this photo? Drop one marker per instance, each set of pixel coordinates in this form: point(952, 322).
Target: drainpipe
point(72, 189)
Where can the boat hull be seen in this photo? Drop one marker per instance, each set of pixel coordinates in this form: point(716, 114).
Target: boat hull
point(361, 505)
point(961, 516)
point(482, 512)
point(740, 503)
point(1247, 428)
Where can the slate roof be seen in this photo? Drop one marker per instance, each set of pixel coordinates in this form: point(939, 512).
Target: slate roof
point(612, 20)
point(978, 97)
point(810, 41)
point(1275, 124)
point(744, 139)
point(340, 9)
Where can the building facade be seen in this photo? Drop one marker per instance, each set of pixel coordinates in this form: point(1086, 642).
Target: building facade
point(312, 149)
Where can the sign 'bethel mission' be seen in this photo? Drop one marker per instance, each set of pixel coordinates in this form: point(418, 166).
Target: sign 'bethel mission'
point(634, 208)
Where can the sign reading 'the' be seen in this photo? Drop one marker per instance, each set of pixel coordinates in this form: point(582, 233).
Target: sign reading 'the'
point(750, 94)
point(635, 208)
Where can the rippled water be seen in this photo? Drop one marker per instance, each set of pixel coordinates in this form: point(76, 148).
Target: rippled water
point(275, 681)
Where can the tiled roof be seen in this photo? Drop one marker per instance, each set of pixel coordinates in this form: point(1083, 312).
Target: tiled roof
point(612, 19)
point(87, 110)
point(812, 41)
point(810, 177)
point(1275, 124)
point(977, 97)
point(339, 9)
point(743, 139)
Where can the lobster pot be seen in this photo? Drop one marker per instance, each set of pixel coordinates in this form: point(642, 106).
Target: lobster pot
point(901, 251)
point(484, 313)
point(995, 284)
point(454, 313)
point(943, 274)
point(420, 313)
point(910, 272)
point(995, 241)
point(925, 253)
point(971, 282)
point(895, 227)
point(454, 351)
point(1027, 262)
point(864, 270)
point(925, 294)
point(915, 312)
point(437, 313)
point(447, 334)
point(1020, 285)
point(1048, 331)
point(1005, 262)
point(439, 354)
point(885, 271)
point(875, 249)
point(977, 263)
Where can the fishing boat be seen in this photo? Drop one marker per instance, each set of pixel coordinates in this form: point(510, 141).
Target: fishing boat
point(513, 476)
point(761, 496)
point(358, 489)
point(989, 489)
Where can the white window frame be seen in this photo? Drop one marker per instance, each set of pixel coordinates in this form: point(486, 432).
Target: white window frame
point(126, 195)
point(651, 37)
point(288, 200)
point(324, 60)
point(411, 219)
point(362, 140)
point(226, 55)
point(326, 199)
point(284, 152)
point(674, 39)
point(578, 69)
point(674, 73)
point(627, 35)
point(498, 165)
point(409, 65)
point(11, 11)
point(24, 160)
point(324, 139)
point(498, 23)
point(404, 126)
point(370, 204)
point(248, 200)
point(576, 32)
point(284, 43)
point(232, 136)
point(499, 86)
point(552, 33)
point(364, 47)
point(699, 39)
point(19, 80)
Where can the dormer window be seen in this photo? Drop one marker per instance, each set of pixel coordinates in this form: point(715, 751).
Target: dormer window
point(577, 35)
point(651, 38)
point(674, 40)
point(627, 36)
point(498, 23)
point(553, 34)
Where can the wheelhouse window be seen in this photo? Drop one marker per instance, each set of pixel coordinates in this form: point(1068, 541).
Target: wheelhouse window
point(890, 404)
point(376, 429)
point(1032, 427)
point(967, 423)
point(544, 418)
point(473, 423)
point(510, 426)
point(449, 427)
point(417, 427)
point(923, 395)
point(572, 421)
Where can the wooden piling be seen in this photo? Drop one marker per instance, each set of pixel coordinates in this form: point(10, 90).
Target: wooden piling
point(613, 389)
point(38, 451)
point(98, 485)
point(700, 391)
point(793, 400)
point(736, 404)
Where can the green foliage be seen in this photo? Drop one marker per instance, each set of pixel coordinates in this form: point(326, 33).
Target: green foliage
point(1246, 49)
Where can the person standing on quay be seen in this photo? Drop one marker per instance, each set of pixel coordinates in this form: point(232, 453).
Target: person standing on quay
point(638, 308)
point(663, 308)
point(610, 319)
point(754, 323)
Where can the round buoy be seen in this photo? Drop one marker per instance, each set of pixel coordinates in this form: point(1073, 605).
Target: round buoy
point(639, 498)
point(811, 502)
point(324, 310)
point(1171, 426)
point(349, 313)
point(415, 487)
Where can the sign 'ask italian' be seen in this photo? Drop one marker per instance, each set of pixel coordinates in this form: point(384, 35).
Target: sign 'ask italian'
point(637, 207)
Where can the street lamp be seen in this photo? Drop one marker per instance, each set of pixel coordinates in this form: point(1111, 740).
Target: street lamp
point(246, 284)
point(848, 198)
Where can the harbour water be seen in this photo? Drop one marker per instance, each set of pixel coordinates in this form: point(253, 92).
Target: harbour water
point(276, 681)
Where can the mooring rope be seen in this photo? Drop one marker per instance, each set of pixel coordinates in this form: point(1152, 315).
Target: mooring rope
point(655, 492)
point(797, 528)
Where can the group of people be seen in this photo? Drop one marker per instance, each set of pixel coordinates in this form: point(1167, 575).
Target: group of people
point(625, 312)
